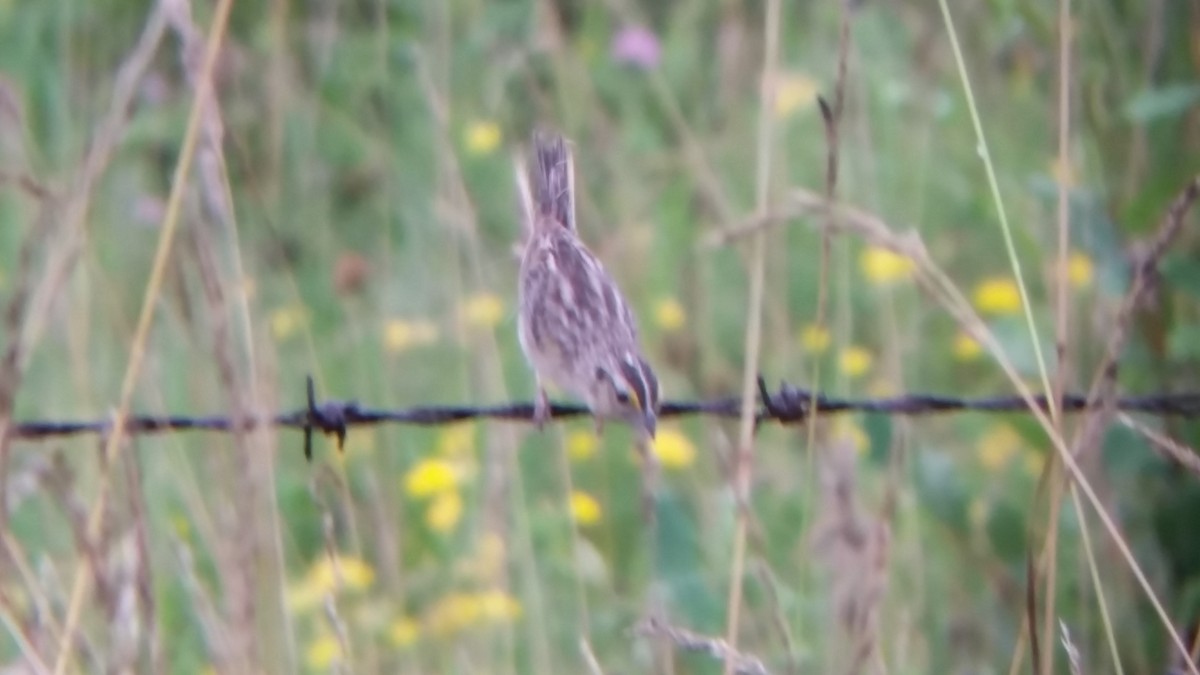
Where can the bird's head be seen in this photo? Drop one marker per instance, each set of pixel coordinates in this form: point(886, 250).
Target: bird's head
point(629, 391)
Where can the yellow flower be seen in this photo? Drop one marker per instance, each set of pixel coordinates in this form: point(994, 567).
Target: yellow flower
point(998, 295)
point(456, 440)
point(352, 573)
point(458, 611)
point(430, 477)
point(581, 445)
point(1080, 270)
point(585, 509)
point(326, 577)
point(453, 613)
point(497, 605)
point(815, 338)
point(483, 310)
point(794, 91)
point(305, 595)
point(404, 632)
point(673, 449)
point(444, 512)
point(855, 361)
point(482, 137)
point(400, 335)
point(669, 314)
point(997, 446)
point(287, 321)
point(356, 573)
point(882, 267)
point(966, 348)
point(323, 653)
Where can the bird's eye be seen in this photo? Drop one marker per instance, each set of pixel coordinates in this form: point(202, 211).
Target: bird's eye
point(622, 397)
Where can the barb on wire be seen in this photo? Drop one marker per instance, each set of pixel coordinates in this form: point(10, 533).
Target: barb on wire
point(787, 405)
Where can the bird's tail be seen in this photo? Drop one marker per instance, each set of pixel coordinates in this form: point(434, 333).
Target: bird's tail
point(553, 179)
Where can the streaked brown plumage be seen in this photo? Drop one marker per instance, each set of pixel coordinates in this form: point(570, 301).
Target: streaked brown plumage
point(574, 325)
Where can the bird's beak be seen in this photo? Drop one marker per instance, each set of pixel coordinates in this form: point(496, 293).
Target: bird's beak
point(650, 422)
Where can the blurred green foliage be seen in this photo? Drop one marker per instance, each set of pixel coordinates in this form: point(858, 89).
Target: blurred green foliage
point(367, 150)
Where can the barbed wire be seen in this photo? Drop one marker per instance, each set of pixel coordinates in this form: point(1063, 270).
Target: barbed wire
point(786, 405)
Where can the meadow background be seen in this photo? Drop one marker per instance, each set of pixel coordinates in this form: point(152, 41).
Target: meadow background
point(351, 212)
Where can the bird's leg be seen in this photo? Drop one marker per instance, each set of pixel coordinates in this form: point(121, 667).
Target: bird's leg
point(598, 422)
point(541, 407)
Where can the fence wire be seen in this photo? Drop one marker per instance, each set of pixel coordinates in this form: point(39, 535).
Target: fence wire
point(786, 405)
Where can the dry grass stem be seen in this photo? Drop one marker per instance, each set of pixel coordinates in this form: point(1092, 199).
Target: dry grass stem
point(85, 574)
point(1169, 448)
point(685, 640)
point(854, 547)
point(744, 458)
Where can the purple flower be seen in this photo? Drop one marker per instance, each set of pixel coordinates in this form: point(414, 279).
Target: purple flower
point(636, 46)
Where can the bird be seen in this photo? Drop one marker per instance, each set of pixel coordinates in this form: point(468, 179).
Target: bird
point(575, 327)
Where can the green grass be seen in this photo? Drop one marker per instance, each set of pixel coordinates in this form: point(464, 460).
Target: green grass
point(347, 134)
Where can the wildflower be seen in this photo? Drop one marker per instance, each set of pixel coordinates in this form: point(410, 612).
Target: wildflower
point(636, 46)
point(327, 577)
point(584, 508)
point(815, 338)
point(353, 573)
point(287, 321)
point(456, 440)
point(998, 295)
point(404, 632)
point(669, 314)
point(323, 653)
point(581, 445)
point(401, 335)
point(482, 137)
point(444, 512)
point(883, 267)
point(673, 449)
point(966, 348)
point(483, 310)
point(453, 613)
point(1080, 270)
point(496, 605)
point(997, 446)
point(794, 91)
point(430, 477)
point(855, 361)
